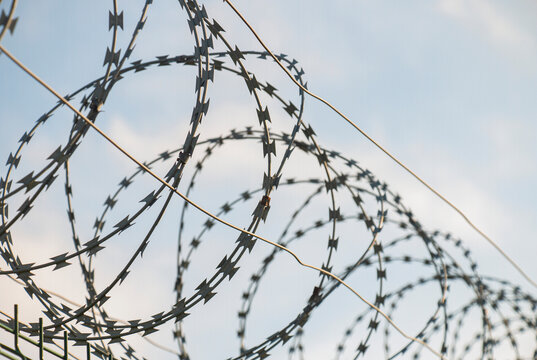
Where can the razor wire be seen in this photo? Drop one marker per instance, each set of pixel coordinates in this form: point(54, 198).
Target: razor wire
point(505, 310)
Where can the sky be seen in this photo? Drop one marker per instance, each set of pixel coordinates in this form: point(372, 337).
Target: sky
point(447, 86)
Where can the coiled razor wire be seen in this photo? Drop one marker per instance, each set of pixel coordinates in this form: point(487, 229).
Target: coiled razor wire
point(504, 311)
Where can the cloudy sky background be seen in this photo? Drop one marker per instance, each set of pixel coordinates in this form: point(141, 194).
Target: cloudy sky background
point(447, 86)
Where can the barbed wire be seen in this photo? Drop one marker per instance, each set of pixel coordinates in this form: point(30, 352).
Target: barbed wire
point(354, 198)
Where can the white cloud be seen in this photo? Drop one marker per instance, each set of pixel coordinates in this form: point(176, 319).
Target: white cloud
point(514, 148)
point(492, 23)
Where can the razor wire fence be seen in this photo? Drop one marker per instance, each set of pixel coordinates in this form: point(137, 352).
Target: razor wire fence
point(487, 317)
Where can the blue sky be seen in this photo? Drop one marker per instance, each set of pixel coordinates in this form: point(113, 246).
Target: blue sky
point(449, 87)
